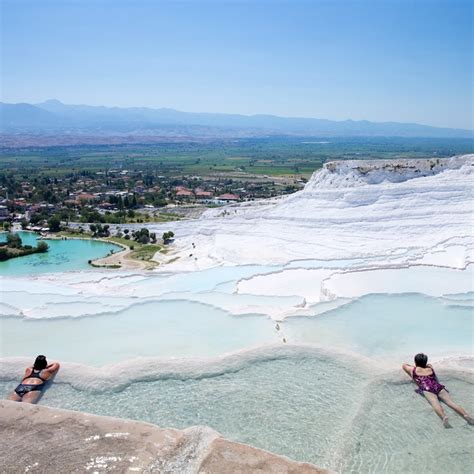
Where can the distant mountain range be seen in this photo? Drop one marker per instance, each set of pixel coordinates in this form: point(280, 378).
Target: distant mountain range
point(53, 117)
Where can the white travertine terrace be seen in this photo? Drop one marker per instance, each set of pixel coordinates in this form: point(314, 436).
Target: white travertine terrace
point(358, 227)
point(395, 210)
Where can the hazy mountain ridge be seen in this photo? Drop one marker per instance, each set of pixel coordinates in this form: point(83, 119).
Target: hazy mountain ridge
point(54, 116)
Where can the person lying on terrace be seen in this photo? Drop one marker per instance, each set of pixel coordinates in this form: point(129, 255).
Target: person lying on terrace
point(34, 380)
point(425, 377)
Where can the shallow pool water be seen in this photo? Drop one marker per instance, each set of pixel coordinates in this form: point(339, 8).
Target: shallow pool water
point(62, 256)
point(390, 327)
point(186, 349)
point(395, 430)
point(267, 404)
point(150, 329)
point(320, 408)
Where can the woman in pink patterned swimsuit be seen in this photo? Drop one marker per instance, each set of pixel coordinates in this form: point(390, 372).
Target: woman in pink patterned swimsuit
point(424, 376)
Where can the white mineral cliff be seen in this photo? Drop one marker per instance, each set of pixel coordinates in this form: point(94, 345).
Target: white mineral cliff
point(403, 226)
point(390, 209)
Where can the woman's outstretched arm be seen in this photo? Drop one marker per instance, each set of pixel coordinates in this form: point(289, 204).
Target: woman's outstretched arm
point(408, 369)
point(52, 368)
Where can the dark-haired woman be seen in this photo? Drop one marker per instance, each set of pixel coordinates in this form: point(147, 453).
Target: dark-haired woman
point(425, 377)
point(30, 388)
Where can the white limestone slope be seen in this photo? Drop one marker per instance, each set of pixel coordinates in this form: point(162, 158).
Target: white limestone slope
point(395, 211)
point(358, 228)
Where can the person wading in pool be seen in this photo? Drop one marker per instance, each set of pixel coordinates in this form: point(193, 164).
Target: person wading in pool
point(34, 380)
point(424, 376)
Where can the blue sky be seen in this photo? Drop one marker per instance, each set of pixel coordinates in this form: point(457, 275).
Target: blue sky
point(408, 61)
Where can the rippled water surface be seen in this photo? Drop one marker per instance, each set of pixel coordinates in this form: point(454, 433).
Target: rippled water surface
point(319, 409)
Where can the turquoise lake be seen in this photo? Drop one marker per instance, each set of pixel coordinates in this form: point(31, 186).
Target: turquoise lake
point(62, 256)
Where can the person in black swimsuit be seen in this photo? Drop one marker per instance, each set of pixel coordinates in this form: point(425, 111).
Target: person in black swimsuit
point(34, 380)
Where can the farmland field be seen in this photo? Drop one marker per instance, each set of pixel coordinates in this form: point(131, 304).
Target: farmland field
point(275, 156)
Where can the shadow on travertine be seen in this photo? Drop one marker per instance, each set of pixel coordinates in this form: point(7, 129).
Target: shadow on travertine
point(39, 439)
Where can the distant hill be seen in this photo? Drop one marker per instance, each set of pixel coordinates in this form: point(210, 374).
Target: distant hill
point(26, 116)
point(53, 116)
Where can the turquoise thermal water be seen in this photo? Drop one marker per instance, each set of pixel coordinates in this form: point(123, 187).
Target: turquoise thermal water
point(318, 408)
point(62, 256)
point(153, 329)
point(390, 327)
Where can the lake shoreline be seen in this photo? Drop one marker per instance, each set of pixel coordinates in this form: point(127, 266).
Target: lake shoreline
point(61, 256)
point(12, 253)
point(120, 260)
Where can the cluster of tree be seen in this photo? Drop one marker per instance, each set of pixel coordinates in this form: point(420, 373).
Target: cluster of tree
point(156, 199)
point(124, 203)
point(11, 185)
point(98, 230)
point(54, 223)
point(130, 202)
point(66, 214)
point(14, 241)
point(13, 247)
point(91, 215)
point(168, 237)
point(49, 195)
point(42, 247)
point(143, 236)
point(4, 254)
point(38, 217)
point(148, 179)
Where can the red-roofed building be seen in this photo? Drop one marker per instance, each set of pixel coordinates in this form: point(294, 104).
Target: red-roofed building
point(181, 188)
point(203, 194)
point(228, 197)
point(184, 194)
point(86, 197)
